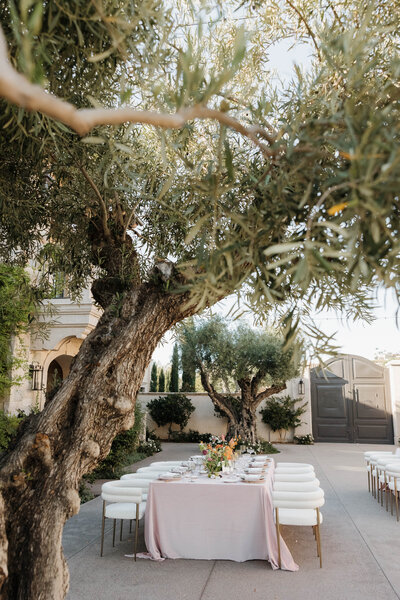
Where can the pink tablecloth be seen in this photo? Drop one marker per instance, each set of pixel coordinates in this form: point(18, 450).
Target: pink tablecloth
point(210, 519)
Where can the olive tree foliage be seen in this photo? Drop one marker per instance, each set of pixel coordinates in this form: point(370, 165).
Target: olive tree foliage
point(18, 305)
point(157, 159)
point(255, 360)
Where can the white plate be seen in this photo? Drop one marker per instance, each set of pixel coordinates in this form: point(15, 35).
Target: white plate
point(253, 470)
point(231, 480)
point(169, 476)
point(252, 478)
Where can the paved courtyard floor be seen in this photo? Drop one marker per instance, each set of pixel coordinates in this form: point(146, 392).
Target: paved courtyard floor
point(360, 544)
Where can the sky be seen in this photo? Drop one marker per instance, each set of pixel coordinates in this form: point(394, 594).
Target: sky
point(358, 338)
point(352, 337)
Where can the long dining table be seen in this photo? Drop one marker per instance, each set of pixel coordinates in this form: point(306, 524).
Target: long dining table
point(213, 519)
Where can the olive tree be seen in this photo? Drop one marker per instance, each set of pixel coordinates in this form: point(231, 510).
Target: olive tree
point(159, 162)
point(255, 360)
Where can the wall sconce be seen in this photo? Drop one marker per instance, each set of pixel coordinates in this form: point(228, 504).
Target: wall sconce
point(36, 372)
point(301, 388)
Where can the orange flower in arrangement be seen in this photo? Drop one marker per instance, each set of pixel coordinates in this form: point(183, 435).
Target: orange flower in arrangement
point(228, 453)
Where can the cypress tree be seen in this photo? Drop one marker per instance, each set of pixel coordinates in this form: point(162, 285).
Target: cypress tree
point(188, 370)
point(174, 380)
point(153, 378)
point(161, 381)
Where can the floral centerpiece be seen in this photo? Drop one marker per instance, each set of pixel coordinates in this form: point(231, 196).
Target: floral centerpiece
point(217, 453)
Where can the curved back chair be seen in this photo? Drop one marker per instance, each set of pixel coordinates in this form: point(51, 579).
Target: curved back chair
point(294, 476)
point(294, 470)
point(369, 456)
point(393, 475)
point(159, 469)
point(300, 509)
point(296, 486)
point(381, 477)
point(149, 476)
point(290, 465)
point(121, 500)
point(170, 463)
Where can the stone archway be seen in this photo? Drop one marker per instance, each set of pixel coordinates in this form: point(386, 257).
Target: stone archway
point(54, 376)
point(350, 401)
point(58, 370)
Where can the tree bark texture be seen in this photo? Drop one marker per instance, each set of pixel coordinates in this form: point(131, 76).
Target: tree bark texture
point(41, 474)
point(240, 412)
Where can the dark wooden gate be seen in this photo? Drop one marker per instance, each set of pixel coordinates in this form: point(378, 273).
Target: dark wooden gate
point(350, 402)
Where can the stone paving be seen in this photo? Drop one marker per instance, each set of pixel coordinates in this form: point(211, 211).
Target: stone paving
point(360, 542)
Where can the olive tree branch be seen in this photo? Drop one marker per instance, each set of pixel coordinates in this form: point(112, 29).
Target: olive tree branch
point(100, 200)
point(17, 89)
point(307, 26)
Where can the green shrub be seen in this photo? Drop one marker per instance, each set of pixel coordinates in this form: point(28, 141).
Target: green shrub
point(123, 445)
point(84, 492)
point(8, 428)
point(281, 413)
point(260, 447)
point(166, 410)
point(191, 436)
point(18, 305)
point(305, 440)
point(149, 447)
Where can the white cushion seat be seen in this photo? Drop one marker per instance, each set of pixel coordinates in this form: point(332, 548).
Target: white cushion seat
point(124, 510)
point(299, 516)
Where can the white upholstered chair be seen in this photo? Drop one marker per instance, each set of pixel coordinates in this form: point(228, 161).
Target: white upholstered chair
point(392, 471)
point(121, 500)
point(299, 508)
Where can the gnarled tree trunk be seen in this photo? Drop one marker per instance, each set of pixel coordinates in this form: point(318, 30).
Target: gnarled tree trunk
point(240, 412)
point(40, 476)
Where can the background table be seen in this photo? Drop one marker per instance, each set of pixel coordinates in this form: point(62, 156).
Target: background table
point(210, 519)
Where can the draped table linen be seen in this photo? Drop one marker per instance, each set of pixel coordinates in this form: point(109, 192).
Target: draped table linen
point(210, 519)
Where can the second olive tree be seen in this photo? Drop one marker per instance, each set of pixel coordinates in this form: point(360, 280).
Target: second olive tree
point(253, 361)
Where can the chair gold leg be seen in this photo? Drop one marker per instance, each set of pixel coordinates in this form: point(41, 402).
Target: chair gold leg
point(137, 529)
point(369, 480)
point(396, 495)
point(278, 536)
point(114, 524)
point(319, 546)
point(102, 527)
point(391, 503)
point(319, 539)
point(387, 491)
point(120, 531)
